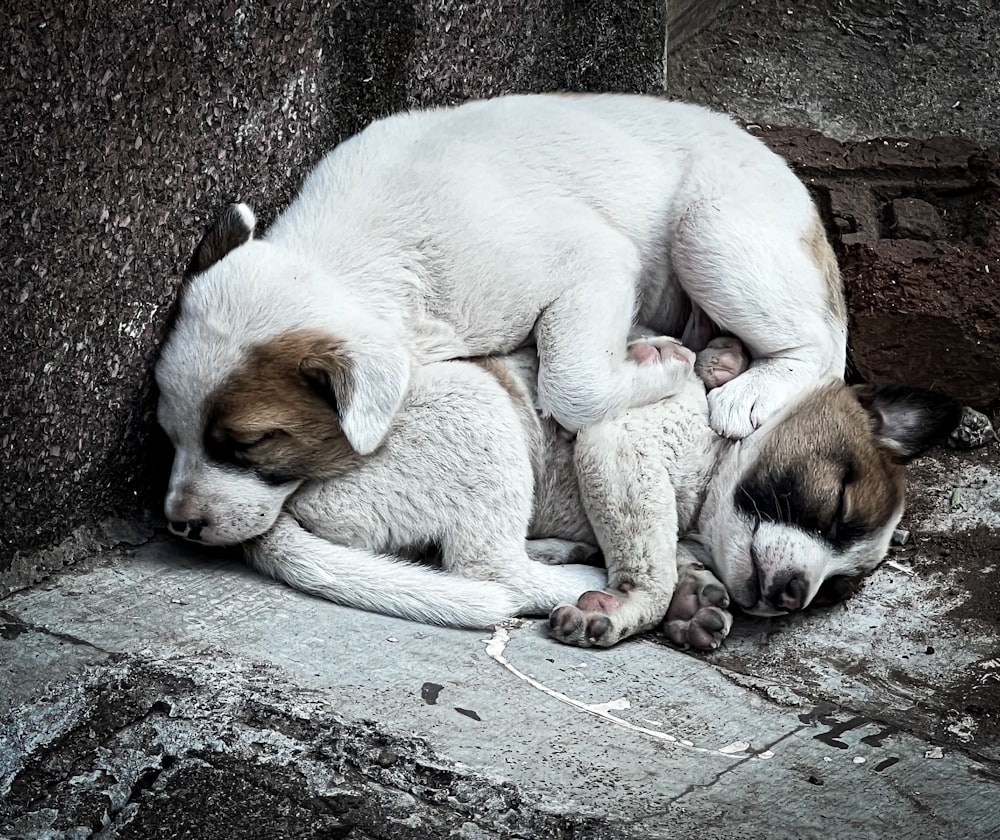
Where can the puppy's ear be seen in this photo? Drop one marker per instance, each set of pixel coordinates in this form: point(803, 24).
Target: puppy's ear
point(233, 228)
point(906, 421)
point(365, 383)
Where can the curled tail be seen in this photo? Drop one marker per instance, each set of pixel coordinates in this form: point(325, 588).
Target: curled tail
point(377, 582)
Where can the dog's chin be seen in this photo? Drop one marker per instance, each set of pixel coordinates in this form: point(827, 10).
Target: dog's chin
point(219, 538)
point(762, 609)
point(230, 530)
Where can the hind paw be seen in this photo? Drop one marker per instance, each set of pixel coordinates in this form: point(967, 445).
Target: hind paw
point(723, 359)
point(661, 349)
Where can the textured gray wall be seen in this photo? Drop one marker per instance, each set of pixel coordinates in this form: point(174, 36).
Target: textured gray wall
point(127, 125)
point(853, 69)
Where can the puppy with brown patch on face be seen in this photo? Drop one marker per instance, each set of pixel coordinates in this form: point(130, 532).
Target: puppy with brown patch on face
point(803, 509)
point(795, 514)
point(469, 467)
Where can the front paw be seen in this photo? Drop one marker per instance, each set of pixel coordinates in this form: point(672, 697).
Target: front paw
point(745, 403)
point(586, 623)
point(698, 617)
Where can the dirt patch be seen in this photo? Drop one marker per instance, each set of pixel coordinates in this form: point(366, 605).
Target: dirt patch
point(916, 228)
point(975, 557)
point(970, 551)
point(969, 559)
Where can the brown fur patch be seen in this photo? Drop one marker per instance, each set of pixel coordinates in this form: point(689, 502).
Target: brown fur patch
point(823, 465)
point(818, 248)
point(273, 416)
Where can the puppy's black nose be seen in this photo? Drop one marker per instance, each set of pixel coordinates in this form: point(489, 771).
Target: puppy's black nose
point(787, 592)
point(189, 528)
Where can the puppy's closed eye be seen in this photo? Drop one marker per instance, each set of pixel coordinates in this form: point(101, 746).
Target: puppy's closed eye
point(238, 447)
point(249, 440)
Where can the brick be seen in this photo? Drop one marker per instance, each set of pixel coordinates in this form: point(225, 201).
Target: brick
point(916, 227)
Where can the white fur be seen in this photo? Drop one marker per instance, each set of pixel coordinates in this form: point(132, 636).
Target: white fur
point(466, 231)
point(470, 469)
point(455, 472)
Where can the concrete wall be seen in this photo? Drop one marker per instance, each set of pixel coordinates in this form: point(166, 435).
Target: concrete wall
point(129, 124)
point(853, 69)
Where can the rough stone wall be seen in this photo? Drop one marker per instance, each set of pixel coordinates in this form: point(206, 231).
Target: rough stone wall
point(129, 124)
point(907, 93)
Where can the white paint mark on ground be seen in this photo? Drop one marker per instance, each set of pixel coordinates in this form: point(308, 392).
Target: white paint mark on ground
point(496, 649)
point(618, 705)
point(735, 748)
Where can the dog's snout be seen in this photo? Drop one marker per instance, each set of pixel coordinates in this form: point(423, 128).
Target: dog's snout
point(189, 528)
point(787, 592)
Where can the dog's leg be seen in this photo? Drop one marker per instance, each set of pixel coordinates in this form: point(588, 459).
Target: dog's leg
point(767, 275)
point(698, 617)
point(377, 582)
point(556, 552)
point(585, 373)
point(630, 500)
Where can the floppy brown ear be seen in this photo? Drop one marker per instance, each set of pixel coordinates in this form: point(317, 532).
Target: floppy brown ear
point(233, 228)
point(364, 383)
point(906, 421)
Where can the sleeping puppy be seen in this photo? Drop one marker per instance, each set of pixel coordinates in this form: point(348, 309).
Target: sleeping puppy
point(458, 232)
point(794, 515)
point(469, 467)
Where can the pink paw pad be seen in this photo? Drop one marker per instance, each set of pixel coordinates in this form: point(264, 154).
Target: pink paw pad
point(595, 601)
point(658, 350)
point(585, 623)
point(698, 617)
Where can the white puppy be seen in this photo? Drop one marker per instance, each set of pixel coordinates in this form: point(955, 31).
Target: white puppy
point(457, 232)
point(469, 468)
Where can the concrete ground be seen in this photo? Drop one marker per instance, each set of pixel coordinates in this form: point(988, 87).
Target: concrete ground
point(169, 692)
